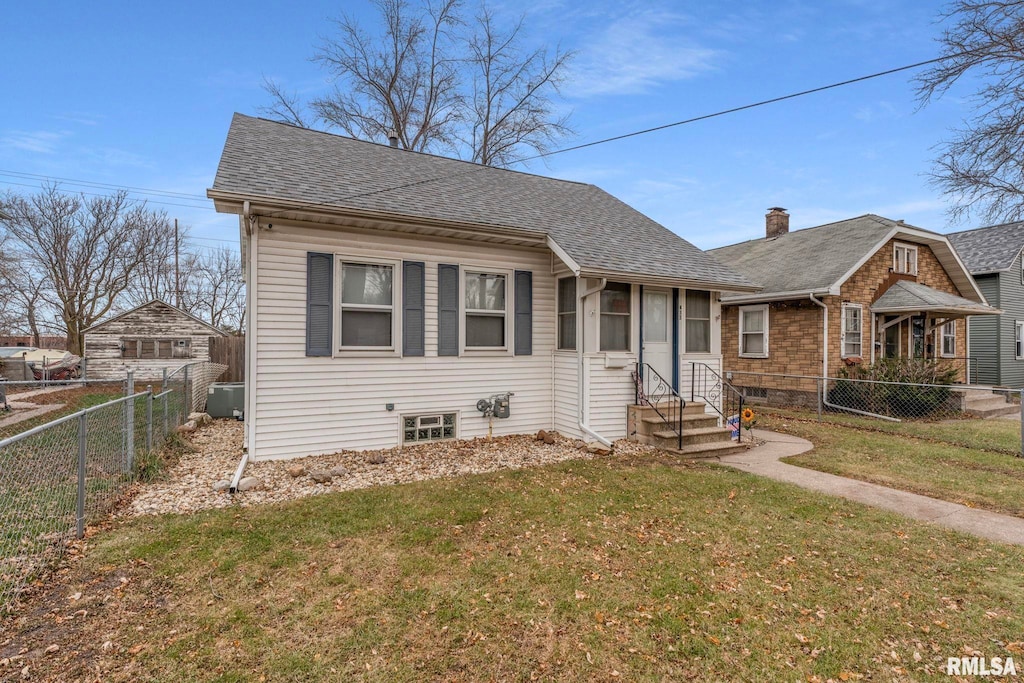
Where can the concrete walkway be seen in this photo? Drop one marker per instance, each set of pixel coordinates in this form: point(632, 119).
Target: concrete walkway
point(764, 461)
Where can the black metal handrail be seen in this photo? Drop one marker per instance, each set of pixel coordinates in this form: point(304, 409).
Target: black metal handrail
point(654, 391)
point(707, 385)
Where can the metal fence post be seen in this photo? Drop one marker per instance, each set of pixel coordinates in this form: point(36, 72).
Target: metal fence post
point(167, 418)
point(187, 398)
point(84, 364)
point(129, 420)
point(821, 396)
point(163, 383)
point(149, 417)
point(80, 498)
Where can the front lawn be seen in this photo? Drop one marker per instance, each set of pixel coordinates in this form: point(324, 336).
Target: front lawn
point(913, 457)
point(619, 569)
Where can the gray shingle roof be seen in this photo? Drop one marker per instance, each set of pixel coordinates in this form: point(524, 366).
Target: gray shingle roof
point(907, 296)
point(812, 259)
point(991, 249)
point(272, 160)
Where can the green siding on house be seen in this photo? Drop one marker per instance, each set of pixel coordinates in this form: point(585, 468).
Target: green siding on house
point(984, 334)
point(993, 342)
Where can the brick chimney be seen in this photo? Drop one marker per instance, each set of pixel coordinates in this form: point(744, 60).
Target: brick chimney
point(776, 222)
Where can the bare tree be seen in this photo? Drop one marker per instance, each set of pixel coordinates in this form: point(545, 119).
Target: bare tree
point(442, 84)
point(982, 166)
point(511, 105)
point(84, 250)
point(216, 291)
point(155, 278)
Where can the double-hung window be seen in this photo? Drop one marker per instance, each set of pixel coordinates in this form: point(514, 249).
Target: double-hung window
point(486, 310)
point(904, 259)
point(754, 331)
point(852, 328)
point(949, 340)
point(367, 305)
point(698, 321)
point(616, 306)
point(567, 314)
point(1018, 334)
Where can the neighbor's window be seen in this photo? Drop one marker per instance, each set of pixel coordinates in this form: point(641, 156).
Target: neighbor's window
point(616, 306)
point(485, 310)
point(698, 321)
point(851, 334)
point(904, 259)
point(567, 313)
point(1019, 339)
point(754, 331)
point(949, 339)
point(367, 305)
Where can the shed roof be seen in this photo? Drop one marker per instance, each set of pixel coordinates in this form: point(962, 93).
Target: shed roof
point(148, 304)
point(991, 249)
point(270, 161)
point(906, 296)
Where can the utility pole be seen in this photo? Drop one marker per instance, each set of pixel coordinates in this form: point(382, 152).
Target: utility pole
point(177, 282)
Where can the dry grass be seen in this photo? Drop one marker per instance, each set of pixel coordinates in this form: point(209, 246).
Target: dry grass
point(616, 570)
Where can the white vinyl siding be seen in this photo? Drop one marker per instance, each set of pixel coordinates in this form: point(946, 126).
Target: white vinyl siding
point(852, 332)
point(311, 405)
point(565, 408)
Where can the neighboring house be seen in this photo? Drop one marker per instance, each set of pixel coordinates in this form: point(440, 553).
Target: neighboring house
point(993, 255)
point(389, 291)
point(845, 293)
point(146, 340)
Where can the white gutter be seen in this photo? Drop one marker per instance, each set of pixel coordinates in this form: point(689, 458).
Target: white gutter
point(583, 417)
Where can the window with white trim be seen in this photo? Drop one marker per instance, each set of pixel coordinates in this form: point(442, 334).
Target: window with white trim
point(486, 310)
point(616, 313)
point(948, 348)
point(1018, 327)
point(567, 314)
point(754, 331)
point(852, 330)
point(698, 321)
point(367, 305)
point(904, 259)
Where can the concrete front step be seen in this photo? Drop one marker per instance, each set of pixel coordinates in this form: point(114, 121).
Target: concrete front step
point(696, 436)
point(995, 411)
point(692, 450)
point(689, 421)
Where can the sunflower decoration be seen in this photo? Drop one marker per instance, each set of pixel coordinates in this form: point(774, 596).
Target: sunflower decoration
point(749, 419)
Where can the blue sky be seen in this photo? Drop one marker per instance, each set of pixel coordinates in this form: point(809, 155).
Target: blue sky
point(141, 95)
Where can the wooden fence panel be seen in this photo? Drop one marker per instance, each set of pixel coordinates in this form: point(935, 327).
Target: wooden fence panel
point(229, 351)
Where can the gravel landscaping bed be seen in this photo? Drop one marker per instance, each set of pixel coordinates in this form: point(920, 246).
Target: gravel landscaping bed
point(189, 485)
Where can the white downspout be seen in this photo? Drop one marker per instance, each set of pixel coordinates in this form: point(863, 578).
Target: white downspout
point(582, 374)
point(250, 347)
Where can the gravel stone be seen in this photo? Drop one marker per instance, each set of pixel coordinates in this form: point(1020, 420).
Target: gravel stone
point(296, 471)
point(221, 485)
point(247, 483)
point(186, 488)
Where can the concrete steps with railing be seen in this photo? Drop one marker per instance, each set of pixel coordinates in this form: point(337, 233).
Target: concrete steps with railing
point(702, 437)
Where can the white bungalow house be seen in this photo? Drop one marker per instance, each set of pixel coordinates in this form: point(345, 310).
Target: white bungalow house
point(390, 291)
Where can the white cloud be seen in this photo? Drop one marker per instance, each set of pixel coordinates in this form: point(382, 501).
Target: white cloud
point(636, 53)
point(37, 141)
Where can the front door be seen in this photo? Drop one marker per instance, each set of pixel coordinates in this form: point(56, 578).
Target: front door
point(657, 331)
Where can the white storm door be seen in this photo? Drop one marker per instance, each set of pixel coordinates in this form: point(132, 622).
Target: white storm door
point(657, 331)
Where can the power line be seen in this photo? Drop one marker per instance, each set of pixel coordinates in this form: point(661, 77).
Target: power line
point(89, 183)
point(704, 117)
point(148, 201)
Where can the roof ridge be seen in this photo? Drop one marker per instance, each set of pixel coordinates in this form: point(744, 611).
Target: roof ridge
point(349, 138)
point(987, 227)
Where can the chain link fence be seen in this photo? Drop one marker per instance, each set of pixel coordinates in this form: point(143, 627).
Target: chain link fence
point(988, 418)
point(58, 477)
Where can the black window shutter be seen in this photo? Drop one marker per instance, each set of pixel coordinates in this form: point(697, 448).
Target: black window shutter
point(412, 308)
point(447, 310)
point(524, 313)
point(319, 303)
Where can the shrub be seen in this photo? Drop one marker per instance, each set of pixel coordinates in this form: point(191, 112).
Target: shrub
point(895, 387)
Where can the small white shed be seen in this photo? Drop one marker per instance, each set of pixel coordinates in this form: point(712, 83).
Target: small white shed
point(147, 339)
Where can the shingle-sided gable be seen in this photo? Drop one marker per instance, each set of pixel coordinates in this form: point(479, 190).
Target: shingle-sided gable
point(273, 161)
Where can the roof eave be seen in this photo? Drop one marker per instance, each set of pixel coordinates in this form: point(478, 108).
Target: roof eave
point(763, 297)
point(954, 310)
point(665, 280)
